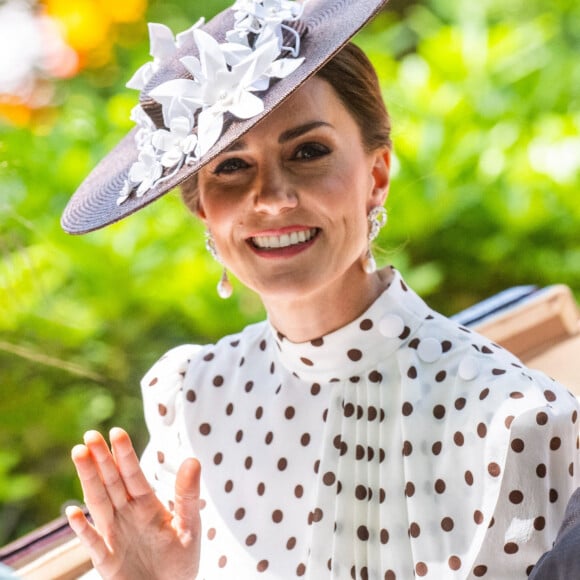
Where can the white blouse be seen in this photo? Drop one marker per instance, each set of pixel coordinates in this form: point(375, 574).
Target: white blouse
point(400, 446)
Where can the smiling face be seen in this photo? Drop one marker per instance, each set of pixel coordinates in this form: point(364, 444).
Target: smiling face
point(287, 203)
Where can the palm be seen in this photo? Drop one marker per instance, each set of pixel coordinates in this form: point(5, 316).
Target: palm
point(134, 535)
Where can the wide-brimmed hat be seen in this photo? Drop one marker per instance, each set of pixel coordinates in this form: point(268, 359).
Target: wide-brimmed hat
point(204, 90)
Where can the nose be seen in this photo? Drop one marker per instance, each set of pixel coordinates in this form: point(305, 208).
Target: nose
point(274, 192)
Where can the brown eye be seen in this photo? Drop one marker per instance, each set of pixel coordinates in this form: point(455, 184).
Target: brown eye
point(230, 166)
point(310, 151)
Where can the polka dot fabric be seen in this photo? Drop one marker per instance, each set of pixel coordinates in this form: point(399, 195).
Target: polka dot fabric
point(400, 446)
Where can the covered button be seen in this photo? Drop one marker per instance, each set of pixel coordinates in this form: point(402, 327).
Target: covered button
point(391, 326)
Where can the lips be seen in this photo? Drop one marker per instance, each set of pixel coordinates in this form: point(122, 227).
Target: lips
point(287, 240)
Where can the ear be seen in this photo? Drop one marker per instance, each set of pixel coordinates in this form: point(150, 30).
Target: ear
point(200, 212)
point(381, 173)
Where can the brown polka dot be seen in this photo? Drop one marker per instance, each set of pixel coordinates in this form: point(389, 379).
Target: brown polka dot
point(553, 496)
point(162, 409)
point(363, 533)
point(262, 565)
point(375, 377)
point(354, 354)
point(571, 469)
point(407, 409)
point(205, 428)
point(550, 395)
point(454, 562)
point(372, 413)
point(291, 543)
point(440, 486)
point(440, 376)
point(458, 438)
point(494, 469)
point(510, 548)
point(407, 448)
point(541, 418)
point(414, 530)
point(211, 533)
point(240, 513)
point(384, 536)
point(229, 409)
point(460, 403)
point(315, 516)
point(269, 438)
point(541, 470)
point(482, 430)
point(307, 362)
point(410, 489)
point(305, 440)
point(366, 324)
point(349, 410)
point(508, 421)
point(483, 394)
point(574, 417)
point(263, 345)
point(218, 381)
point(229, 485)
point(300, 570)
point(329, 478)
point(439, 411)
point(153, 382)
point(498, 372)
point(480, 571)
point(516, 496)
point(421, 569)
point(222, 561)
point(477, 517)
point(289, 413)
point(446, 346)
point(261, 489)
point(555, 443)
point(218, 458)
point(191, 396)
point(412, 373)
point(161, 457)
point(277, 516)
point(517, 445)
point(539, 523)
point(315, 389)
point(259, 413)
point(390, 575)
point(251, 540)
point(239, 436)
point(468, 477)
point(436, 447)
point(318, 342)
point(298, 491)
point(516, 395)
point(360, 492)
point(282, 464)
point(447, 524)
point(248, 462)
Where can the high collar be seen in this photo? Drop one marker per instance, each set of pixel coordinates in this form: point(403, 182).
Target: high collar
point(347, 353)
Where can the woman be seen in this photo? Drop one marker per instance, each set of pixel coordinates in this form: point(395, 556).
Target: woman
point(354, 434)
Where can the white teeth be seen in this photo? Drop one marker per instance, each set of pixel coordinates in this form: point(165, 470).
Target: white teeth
point(284, 240)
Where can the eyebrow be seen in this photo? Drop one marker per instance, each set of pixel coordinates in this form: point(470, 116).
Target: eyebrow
point(286, 136)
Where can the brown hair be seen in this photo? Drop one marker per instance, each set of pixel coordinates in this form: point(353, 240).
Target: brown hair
point(354, 79)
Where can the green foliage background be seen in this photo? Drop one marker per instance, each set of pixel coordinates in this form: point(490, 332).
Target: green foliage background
point(485, 100)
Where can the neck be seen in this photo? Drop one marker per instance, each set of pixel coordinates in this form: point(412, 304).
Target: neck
point(312, 315)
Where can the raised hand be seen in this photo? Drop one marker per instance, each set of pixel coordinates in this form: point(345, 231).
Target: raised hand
point(134, 535)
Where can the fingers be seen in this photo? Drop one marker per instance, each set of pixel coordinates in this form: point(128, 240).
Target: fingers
point(107, 467)
point(187, 496)
point(128, 465)
point(94, 491)
point(89, 537)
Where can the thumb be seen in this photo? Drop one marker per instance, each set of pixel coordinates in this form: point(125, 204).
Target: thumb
point(187, 496)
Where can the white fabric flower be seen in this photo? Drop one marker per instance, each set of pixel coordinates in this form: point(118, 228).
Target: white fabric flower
point(163, 47)
point(146, 171)
point(175, 144)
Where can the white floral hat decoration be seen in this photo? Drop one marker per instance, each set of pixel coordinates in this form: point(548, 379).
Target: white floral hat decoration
point(204, 89)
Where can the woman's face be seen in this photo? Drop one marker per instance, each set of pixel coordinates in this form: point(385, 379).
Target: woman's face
point(287, 203)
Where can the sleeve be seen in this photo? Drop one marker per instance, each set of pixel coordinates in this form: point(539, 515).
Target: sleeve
point(562, 562)
point(541, 473)
point(162, 391)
